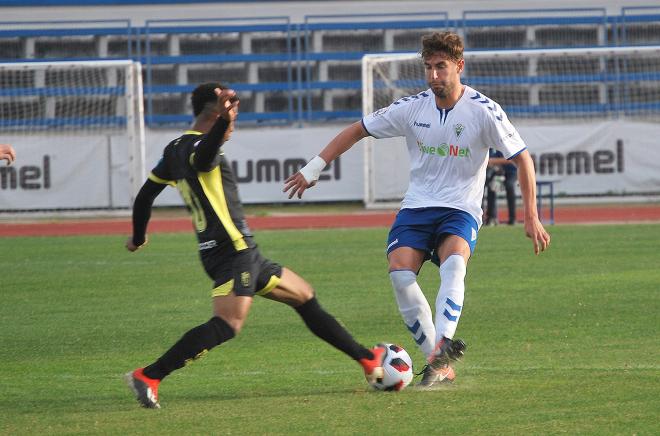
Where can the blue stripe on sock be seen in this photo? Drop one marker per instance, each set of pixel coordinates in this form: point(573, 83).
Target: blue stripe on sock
point(453, 305)
point(421, 339)
point(413, 329)
point(449, 316)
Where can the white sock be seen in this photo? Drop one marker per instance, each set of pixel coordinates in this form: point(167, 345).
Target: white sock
point(414, 308)
point(449, 303)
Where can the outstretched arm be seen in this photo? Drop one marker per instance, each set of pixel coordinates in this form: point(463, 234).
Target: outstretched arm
point(142, 212)
point(7, 153)
point(309, 174)
point(527, 180)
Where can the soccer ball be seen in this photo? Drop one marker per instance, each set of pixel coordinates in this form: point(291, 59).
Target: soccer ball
point(397, 369)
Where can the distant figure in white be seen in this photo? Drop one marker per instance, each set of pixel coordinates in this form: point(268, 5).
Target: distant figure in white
point(448, 129)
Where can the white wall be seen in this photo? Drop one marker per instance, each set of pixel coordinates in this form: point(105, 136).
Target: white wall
point(60, 171)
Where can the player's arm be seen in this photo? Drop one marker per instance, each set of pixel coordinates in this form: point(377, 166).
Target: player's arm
point(496, 161)
point(527, 180)
point(207, 150)
point(142, 213)
point(7, 153)
point(309, 174)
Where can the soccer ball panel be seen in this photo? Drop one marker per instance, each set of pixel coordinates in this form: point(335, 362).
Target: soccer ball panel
point(397, 369)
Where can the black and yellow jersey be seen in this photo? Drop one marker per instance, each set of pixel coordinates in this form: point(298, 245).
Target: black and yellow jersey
point(210, 196)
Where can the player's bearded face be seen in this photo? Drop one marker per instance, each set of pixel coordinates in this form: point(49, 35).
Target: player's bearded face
point(442, 74)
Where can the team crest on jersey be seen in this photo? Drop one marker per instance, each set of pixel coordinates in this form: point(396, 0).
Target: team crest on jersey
point(245, 279)
point(458, 129)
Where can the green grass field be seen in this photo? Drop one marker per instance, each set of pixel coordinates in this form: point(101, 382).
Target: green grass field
point(567, 342)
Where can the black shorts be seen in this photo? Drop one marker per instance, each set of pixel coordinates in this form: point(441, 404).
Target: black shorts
point(244, 272)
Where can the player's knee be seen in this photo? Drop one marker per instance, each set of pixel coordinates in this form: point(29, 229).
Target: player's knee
point(402, 278)
point(303, 293)
point(453, 265)
point(405, 259)
point(396, 264)
point(292, 294)
point(235, 322)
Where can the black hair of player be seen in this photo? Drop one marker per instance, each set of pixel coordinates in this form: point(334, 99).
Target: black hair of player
point(203, 95)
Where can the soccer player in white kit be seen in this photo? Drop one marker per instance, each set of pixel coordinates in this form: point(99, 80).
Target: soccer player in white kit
point(448, 129)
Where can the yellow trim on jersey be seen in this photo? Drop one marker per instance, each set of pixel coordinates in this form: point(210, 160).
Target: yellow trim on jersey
point(223, 290)
point(155, 178)
point(272, 284)
point(217, 199)
point(192, 132)
point(226, 288)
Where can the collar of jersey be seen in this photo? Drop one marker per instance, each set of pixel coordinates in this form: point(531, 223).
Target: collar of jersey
point(192, 132)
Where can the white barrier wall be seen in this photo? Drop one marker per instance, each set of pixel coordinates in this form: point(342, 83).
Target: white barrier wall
point(263, 158)
point(615, 157)
point(59, 171)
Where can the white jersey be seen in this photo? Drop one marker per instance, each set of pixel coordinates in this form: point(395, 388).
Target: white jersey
point(448, 148)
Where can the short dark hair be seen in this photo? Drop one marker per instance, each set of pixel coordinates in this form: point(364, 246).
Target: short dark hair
point(447, 43)
point(204, 95)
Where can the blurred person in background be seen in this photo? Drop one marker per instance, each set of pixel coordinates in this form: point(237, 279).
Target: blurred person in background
point(498, 166)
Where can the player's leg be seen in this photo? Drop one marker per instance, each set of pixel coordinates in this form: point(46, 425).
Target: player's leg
point(510, 187)
point(454, 253)
point(407, 246)
point(457, 236)
point(491, 197)
point(404, 262)
point(230, 312)
point(294, 291)
point(232, 298)
point(448, 306)
point(491, 207)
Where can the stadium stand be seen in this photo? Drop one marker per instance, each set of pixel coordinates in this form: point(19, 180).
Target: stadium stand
point(288, 73)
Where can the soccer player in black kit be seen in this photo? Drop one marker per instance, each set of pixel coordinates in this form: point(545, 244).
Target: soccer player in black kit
point(194, 164)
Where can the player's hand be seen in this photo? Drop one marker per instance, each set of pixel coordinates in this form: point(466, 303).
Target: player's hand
point(7, 153)
point(535, 231)
point(227, 104)
point(130, 246)
point(297, 185)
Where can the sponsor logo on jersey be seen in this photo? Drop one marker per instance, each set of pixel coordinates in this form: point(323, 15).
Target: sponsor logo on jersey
point(207, 245)
point(444, 150)
point(425, 125)
point(458, 129)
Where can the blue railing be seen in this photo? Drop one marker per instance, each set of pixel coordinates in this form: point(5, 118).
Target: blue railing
point(299, 87)
point(259, 25)
point(354, 22)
